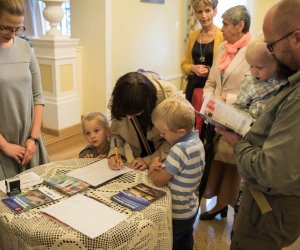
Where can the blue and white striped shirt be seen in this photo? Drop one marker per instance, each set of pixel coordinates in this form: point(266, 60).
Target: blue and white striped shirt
point(185, 161)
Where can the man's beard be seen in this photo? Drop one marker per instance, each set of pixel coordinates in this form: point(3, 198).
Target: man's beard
point(283, 71)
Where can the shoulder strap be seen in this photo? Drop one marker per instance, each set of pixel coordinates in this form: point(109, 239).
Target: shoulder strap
point(139, 131)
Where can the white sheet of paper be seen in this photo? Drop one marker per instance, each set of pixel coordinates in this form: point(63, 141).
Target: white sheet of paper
point(27, 180)
point(2, 186)
point(85, 215)
point(97, 173)
point(30, 179)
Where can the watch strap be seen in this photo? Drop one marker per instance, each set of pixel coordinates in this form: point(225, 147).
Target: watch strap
point(36, 140)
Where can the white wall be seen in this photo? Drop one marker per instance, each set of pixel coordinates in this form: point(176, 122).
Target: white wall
point(119, 36)
point(148, 36)
point(88, 24)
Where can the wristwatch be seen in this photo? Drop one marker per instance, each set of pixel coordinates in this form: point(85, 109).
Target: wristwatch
point(36, 140)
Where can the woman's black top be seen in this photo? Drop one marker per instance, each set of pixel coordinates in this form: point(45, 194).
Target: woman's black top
point(194, 81)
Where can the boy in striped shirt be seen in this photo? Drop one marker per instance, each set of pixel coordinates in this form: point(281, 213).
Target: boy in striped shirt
point(182, 170)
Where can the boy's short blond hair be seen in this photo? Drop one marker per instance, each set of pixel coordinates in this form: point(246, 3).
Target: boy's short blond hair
point(97, 116)
point(258, 46)
point(176, 113)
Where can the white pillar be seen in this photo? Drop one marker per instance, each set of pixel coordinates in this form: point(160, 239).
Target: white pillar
point(57, 58)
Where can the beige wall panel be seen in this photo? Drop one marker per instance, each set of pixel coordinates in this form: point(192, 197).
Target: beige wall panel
point(66, 77)
point(46, 77)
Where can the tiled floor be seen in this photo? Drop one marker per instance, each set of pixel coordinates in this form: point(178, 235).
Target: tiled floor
point(214, 234)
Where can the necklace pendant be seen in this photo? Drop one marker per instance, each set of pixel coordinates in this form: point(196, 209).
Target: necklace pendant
point(202, 59)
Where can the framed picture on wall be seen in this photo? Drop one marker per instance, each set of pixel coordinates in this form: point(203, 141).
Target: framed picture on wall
point(153, 1)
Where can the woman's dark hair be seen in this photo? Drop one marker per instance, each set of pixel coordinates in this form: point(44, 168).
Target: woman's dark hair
point(132, 94)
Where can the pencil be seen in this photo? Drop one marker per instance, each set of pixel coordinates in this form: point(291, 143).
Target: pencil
point(116, 151)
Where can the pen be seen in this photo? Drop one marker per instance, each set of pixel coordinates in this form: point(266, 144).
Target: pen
point(116, 151)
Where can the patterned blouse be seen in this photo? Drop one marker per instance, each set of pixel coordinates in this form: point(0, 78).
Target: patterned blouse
point(254, 94)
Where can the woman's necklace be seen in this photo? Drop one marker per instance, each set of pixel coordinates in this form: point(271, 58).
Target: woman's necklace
point(208, 35)
point(202, 53)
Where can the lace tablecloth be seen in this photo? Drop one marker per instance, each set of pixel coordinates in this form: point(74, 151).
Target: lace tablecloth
point(150, 228)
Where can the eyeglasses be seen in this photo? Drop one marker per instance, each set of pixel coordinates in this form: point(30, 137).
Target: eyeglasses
point(270, 46)
point(9, 30)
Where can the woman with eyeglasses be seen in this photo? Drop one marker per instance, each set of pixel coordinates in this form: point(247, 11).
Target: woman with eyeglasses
point(224, 81)
point(134, 97)
point(21, 98)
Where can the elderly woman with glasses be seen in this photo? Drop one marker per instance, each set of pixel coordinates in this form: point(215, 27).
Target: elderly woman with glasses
point(224, 80)
point(21, 96)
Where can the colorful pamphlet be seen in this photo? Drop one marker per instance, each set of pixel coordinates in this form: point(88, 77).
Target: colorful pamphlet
point(66, 184)
point(138, 197)
point(31, 199)
point(226, 116)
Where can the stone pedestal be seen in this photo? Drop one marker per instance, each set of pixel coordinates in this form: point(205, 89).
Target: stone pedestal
point(57, 59)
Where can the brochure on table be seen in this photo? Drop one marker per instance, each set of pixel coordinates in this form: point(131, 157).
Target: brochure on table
point(97, 173)
point(31, 199)
point(138, 197)
point(66, 184)
point(85, 215)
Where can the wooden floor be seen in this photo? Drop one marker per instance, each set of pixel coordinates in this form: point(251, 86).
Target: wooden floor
point(209, 235)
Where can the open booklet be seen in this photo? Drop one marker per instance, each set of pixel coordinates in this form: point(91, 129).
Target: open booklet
point(138, 197)
point(97, 173)
point(223, 115)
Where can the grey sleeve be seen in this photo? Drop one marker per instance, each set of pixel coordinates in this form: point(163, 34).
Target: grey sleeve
point(36, 80)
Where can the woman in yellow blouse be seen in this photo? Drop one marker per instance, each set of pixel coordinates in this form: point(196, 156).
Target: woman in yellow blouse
point(201, 48)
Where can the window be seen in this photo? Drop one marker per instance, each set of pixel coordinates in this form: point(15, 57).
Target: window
point(224, 5)
point(65, 24)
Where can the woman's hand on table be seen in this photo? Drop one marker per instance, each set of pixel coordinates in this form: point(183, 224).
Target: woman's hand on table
point(115, 163)
point(138, 164)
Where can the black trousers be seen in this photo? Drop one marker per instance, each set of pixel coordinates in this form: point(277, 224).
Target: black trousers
point(183, 238)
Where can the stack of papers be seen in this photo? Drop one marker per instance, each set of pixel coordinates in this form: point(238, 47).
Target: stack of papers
point(27, 180)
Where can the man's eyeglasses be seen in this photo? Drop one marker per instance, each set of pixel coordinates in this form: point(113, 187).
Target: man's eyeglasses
point(9, 30)
point(270, 46)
